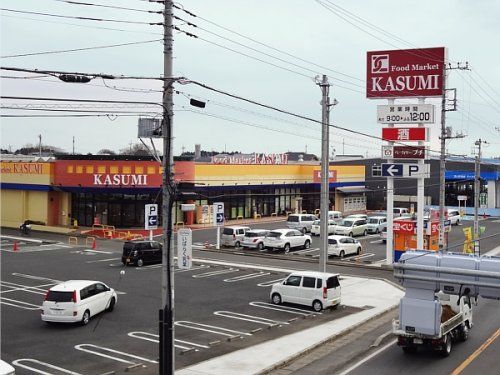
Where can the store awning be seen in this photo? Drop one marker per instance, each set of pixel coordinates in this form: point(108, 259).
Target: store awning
point(353, 189)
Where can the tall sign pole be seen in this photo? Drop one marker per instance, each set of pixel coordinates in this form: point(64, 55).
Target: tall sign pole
point(325, 169)
point(389, 243)
point(442, 166)
point(166, 347)
point(420, 195)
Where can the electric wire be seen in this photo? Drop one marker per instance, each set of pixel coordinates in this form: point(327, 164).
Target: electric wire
point(108, 6)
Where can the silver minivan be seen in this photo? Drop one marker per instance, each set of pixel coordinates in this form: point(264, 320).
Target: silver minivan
point(376, 224)
point(301, 222)
point(233, 236)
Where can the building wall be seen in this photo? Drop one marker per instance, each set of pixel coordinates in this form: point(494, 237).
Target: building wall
point(20, 205)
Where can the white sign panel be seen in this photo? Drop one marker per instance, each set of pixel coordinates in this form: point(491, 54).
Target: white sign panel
point(405, 170)
point(405, 114)
point(184, 248)
point(150, 216)
point(218, 214)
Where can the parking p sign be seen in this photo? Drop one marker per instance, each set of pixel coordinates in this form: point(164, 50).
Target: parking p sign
point(218, 214)
point(150, 216)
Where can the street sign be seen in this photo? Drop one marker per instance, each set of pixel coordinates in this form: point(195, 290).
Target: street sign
point(184, 248)
point(462, 197)
point(405, 170)
point(218, 214)
point(404, 152)
point(405, 134)
point(405, 114)
point(151, 216)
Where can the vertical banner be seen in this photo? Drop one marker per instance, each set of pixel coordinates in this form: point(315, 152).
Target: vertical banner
point(184, 248)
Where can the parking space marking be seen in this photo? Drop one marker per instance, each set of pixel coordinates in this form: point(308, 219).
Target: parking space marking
point(358, 257)
point(32, 289)
point(249, 318)
point(20, 363)
point(376, 241)
point(214, 273)
point(212, 329)
point(33, 277)
point(152, 266)
point(156, 339)
point(291, 310)
point(246, 277)
point(305, 251)
point(270, 282)
point(19, 304)
point(83, 348)
point(101, 260)
point(202, 266)
point(23, 239)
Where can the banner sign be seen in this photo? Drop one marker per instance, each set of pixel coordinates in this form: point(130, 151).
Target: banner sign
point(404, 152)
point(405, 114)
point(332, 176)
point(405, 134)
point(405, 73)
point(255, 158)
point(184, 248)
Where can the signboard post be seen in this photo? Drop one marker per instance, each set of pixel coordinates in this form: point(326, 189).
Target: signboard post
point(184, 248)
point(218, 208)
point(151, 218)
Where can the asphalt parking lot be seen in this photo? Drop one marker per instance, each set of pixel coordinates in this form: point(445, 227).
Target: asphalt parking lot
point(219, 309)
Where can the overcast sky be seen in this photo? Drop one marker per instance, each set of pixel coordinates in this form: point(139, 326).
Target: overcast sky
point(308, 32)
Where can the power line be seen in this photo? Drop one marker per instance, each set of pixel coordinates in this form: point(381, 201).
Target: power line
point(109, 6)
point(95, 75)
point(81, 49)
point(81, 18)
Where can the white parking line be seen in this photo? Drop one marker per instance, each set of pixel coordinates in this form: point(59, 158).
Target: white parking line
point(212, 329)
point(246, 277)
point(357, 257)
point(83, 347)
point(97, 251)
point(156, 338)
point(32, 289)
point(19, 363)
point(270, 282)
point(101, 260)
point(291, 310)
point(19, 304)
point(35, 277)
point(192, 269)
point(213, 273)
point(22, 239)
point(304, 251)
point(249, 318)
point(376, 241)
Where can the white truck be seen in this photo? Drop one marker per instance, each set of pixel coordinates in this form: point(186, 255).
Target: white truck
point(434, 324)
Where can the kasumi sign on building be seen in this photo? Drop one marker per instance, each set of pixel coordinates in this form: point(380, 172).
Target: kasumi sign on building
point(405, 73)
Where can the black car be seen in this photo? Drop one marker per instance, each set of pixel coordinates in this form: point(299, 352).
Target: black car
point(141, 252)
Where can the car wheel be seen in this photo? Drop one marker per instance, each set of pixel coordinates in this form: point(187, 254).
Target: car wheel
point(85, 318)
point(376, 231)
point(276, 299)
point(304, 230)
point(139, 262)
point(111, 304)
point(342, 253)
point(458, 222)
point(307, 244)
point(287, 248)
point(358, 251)
point(237, 244)
point(317, 305)
point(260, 246)
point(365, 232)
point(350, 234)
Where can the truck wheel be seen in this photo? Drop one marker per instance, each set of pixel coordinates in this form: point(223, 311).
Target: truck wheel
point(464, 332)
point(445, 352)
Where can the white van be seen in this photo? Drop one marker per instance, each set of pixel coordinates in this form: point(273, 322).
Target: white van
point(301, 222)
point(316, 289)
point(335, 215)
point(400, 211)
point(233, 236)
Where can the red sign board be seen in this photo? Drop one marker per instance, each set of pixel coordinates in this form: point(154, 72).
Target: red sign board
point(405, 73)
point(332, 176)
point(404, 134)
point(404, 227)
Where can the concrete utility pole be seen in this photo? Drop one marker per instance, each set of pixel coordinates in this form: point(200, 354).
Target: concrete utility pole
point(167, 353)
point(325, 166)
point(39, 145)
point(477, 192)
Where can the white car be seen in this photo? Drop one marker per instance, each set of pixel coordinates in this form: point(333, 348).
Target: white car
point(254, 238)
point(316, 289)
point(343, 245)
point(232, 236)
point(454, 216)
point(302, 222)
point(351, 227)
point(77, 300)
point(316, 227)
point(6, 369)
point(285, 239)
point(376, 224)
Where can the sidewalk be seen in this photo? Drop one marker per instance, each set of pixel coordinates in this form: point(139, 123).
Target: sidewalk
point(377, 296)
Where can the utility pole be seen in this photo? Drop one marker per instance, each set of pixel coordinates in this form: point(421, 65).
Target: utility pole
point(444, 136)
point(73, 145)
point(325, 169)
point(477, 191)
point(39, 145)
point(167, 353)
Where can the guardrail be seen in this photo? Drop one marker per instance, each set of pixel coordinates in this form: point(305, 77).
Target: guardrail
point(274, 214)
point(72, 240)
point(90, 241)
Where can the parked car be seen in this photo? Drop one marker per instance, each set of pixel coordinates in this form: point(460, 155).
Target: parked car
point(286, 239)
point(375, 224)
point(232, 236)
point(357, 216)
point(335, 215)
point(383, 235)
point(140, 253)
point(254, 238)
point(316, 227)
point(400, 211)
point(343, 245)
point(454, 216)
point(77, 301)
point(351, 227)
point(301, 222)
point(316, 289)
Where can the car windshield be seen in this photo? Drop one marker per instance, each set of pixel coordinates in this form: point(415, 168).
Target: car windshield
point(274, 234)
point(345, 223)
point(59, 296)
point(372, 221)
point(227, 231)
point(293, 219)
point(331, 241)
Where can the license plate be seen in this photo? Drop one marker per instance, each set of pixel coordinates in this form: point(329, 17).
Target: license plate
point(57, 312)
point(418, 341)
point(127, 260)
